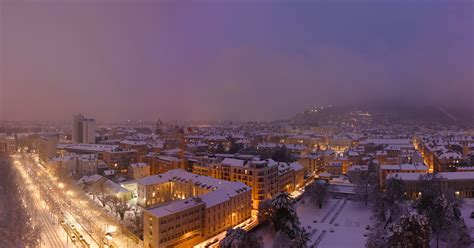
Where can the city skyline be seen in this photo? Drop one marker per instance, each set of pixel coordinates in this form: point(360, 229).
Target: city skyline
point(237, 61)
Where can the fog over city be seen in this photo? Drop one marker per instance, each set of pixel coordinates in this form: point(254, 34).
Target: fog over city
point(232, 60)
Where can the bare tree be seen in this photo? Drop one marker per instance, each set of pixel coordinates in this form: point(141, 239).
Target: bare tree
point(317, 191)
point(18, 228)
point(137, 221)
point(440, 206)
point(111, 202)
point(102, 198)
point(365, 182)
point(121, 207)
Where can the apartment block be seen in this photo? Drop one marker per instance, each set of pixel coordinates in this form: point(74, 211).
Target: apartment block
point(386, 170)
point(138, 170)
point(119, 158)
point(47, 147)
point(7, 144)
point(265, 177)
point(184, 209)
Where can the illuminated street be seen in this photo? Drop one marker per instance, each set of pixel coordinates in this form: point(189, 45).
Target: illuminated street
point(54, 199)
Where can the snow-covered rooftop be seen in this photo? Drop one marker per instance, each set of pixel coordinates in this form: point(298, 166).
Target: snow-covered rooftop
point(173, 207)
point(218, 190)
point(452, 176)
point(405, 167)
point(233, 162)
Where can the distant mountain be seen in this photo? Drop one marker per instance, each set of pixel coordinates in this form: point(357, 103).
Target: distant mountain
point(384, 113)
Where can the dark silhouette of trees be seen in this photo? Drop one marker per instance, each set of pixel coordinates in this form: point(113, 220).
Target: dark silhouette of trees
point(317, 192)
point(235, 147)
point(366, 182)
point(441, 207)
point(413, 230)
point(18, 228)
point(239, 238)
point(282, 154)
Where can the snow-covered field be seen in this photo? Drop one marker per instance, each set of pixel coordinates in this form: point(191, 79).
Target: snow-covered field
point(340, 223)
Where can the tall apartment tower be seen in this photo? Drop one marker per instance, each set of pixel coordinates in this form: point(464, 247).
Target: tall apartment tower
point(83, 130)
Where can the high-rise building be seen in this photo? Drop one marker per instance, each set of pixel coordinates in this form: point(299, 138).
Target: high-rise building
point(83, 130)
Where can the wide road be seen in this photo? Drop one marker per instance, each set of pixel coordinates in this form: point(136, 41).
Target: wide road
point(80, 215)
point(53, 234)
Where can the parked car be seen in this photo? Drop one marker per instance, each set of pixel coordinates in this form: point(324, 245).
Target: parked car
point(472, 215)
point(73, 238)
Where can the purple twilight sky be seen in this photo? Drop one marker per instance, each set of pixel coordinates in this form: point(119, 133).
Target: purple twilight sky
point(243, 60)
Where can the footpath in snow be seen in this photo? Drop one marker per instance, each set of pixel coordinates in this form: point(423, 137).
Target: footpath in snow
point(340, 223)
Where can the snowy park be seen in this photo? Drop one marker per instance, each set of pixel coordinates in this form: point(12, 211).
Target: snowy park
point(339, 223)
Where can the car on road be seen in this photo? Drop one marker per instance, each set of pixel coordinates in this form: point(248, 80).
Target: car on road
point(472, 215)
point(73, 238)
point(63, 223)
point(73, 227)
point(81, 238)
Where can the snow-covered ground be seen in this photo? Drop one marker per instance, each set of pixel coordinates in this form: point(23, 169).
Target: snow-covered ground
point(340, 223)
point(466, 210)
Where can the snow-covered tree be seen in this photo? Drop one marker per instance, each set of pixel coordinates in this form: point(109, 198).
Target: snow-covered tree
point(317, 192)
point(283, 216)
point(102, 198)
point(301, 239)
point(413, 230)
point(137, 221)
point(441, 217)
point(282, 201)
point(111, 202)
point(285, 220)
point(239, 238)
point(459, 236)
point(439, 205)
point(283, 240)
point(389, 201)
point(121, 207)
point(431, 188)
point(377, 238)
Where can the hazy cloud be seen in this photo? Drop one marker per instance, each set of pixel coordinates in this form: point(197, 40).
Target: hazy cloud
point(266, 60)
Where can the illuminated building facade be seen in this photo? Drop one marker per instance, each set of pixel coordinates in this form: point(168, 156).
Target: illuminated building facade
point(184, 209)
